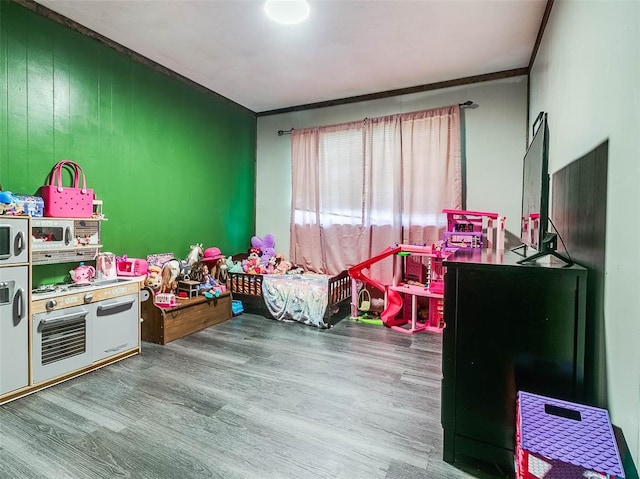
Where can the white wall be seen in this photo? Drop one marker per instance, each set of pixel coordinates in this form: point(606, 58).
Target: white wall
point(495, 146)
point(587, 77)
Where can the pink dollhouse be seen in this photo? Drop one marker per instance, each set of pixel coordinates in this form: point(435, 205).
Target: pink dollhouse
point(474, 229)
point(414, 301)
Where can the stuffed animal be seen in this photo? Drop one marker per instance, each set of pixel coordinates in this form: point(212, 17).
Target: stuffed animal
point(234, 266)
point(271, 266)
point(267, 245)
point(283, 267)
point(296, 270)
point(153, 280)
point(253, 265)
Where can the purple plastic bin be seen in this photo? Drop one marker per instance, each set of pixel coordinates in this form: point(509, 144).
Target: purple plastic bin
point(566, 439)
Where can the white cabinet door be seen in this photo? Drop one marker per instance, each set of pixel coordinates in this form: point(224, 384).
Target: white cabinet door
point(14, 332)
point(116, 326)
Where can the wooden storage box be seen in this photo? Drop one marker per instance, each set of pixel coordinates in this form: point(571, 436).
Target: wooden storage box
point(162, 325)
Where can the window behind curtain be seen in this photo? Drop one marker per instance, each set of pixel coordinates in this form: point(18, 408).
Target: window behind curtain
point(363, 186)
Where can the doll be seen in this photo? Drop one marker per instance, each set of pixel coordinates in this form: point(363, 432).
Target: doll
point(200, 273)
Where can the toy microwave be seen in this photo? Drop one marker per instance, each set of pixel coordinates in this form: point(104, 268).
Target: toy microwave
point(53, 233)
point(131, 267)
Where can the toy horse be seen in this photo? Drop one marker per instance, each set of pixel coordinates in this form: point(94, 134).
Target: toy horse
point(170, 272)
point(195, 254)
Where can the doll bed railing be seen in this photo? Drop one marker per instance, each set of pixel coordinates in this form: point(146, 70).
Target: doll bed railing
point(248, 289)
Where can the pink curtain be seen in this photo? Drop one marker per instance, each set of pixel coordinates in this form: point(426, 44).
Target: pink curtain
point(360, 187)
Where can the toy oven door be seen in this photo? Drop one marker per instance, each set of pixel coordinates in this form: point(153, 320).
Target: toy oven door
point(62, 341)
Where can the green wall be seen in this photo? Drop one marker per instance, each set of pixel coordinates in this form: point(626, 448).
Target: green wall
point(174, 165)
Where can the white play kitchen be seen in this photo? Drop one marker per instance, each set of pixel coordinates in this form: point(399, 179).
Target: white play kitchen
point(55, 332)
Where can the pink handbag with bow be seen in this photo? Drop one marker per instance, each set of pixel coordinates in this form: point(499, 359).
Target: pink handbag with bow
point(60, 201)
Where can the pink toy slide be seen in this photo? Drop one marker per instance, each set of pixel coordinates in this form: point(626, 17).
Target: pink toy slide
point(394, 299)
point(394, 306)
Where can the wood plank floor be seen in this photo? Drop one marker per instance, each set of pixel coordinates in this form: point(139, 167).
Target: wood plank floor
point(248, 398)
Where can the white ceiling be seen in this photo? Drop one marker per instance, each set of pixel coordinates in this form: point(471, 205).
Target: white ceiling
point(345, 48)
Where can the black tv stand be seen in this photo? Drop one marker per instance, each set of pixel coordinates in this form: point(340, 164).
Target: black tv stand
point(547, 248)
point(537, 317)
point(520, 250)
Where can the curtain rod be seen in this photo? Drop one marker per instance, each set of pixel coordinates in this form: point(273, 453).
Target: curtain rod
point(466, 104)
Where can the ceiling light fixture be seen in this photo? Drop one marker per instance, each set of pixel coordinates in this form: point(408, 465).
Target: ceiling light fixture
point(288, 12)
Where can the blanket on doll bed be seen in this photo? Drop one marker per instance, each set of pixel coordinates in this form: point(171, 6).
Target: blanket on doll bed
point(297, 297)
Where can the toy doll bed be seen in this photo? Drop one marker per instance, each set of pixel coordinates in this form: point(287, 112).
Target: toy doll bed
point(308, 298)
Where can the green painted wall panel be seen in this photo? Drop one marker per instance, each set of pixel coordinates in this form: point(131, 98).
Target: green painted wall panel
point(173, 165)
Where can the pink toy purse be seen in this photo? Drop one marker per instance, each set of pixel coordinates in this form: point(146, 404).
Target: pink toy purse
point(67, 201)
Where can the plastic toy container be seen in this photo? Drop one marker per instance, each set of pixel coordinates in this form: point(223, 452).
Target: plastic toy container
point(165, 300)
point(562, 440)
point(236, 307)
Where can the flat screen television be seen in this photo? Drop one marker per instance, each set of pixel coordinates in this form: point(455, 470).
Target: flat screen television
point(535, 188)
point(534, 230)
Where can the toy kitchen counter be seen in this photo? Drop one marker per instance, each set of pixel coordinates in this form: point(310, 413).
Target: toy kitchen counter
point(59, 296)
point(77, 328)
